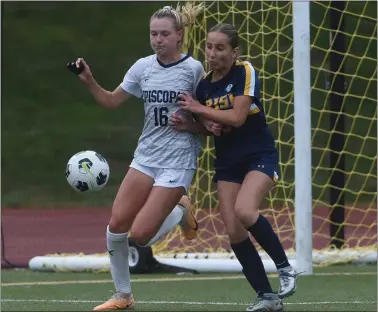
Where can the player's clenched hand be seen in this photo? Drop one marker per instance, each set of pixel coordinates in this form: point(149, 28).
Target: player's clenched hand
point(81, 69)
point(216, 128)
point(187, 103)
point(213, 127)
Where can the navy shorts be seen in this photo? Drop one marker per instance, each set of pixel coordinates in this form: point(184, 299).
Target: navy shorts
point(266, 163)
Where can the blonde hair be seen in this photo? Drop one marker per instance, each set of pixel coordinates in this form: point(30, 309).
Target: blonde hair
point(181, 17)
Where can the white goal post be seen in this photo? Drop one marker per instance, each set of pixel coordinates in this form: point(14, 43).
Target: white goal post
point(302, 133)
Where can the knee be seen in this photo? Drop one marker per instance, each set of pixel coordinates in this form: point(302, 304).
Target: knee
point(247, 214)
point(118, 224)
point(234, 228)
point(141, 236)
point(237, 234)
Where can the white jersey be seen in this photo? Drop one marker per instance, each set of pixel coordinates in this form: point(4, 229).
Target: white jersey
point(161, 146)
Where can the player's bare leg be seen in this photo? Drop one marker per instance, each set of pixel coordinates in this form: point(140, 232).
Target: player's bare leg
point(130, 198)
point(160, 204)
point(227, 193)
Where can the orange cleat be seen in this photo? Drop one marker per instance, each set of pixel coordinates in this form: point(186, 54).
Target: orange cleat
point(119, 301)
point(189, 225)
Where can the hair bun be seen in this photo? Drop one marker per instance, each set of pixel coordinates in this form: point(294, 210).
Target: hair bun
point(167, 7)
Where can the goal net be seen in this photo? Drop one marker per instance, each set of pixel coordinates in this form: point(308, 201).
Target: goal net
point(266, 40)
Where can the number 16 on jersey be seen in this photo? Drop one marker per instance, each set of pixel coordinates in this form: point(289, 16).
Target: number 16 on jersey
point(161, 116)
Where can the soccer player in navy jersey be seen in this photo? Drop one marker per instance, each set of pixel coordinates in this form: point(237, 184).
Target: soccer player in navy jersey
point(246, 165)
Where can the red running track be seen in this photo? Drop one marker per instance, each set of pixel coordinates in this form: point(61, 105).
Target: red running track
point(29, 232)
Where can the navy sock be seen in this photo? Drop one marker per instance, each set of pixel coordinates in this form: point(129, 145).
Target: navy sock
point(253, 268)
point(263, 232)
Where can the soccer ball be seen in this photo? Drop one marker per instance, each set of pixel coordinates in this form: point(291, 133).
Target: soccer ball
point(87, 171)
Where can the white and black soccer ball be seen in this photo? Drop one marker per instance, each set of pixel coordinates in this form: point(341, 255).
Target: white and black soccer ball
point(87, 171)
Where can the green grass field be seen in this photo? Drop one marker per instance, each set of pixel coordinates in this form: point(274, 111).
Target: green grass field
point(336, 288)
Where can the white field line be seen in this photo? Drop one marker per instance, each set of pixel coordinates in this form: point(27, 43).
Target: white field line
point(164, 279)
point(185, 302)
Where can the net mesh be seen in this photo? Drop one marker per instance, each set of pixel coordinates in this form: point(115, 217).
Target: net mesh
point(265, 30)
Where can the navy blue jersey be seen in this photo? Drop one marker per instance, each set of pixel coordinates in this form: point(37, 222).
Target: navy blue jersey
point(253, 138)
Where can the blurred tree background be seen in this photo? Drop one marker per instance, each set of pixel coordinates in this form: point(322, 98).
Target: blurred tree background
point(47, 114)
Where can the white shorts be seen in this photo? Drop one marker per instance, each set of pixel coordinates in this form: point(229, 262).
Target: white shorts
point(167, 177)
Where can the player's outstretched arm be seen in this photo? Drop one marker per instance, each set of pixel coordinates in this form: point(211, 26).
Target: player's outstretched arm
point(105, 98)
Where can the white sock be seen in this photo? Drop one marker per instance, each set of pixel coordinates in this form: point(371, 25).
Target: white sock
point(118, 249)
point(168, 225)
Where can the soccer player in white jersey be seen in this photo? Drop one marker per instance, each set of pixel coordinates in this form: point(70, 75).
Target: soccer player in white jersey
point(150, 201)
